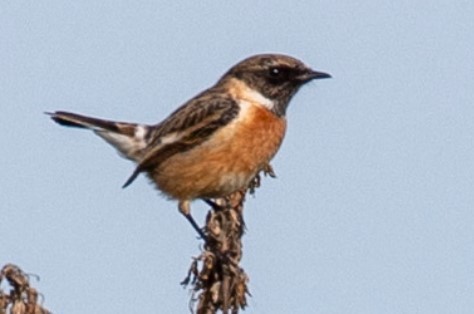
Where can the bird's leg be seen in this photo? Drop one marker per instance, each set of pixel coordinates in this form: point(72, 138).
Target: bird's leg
point(185, 209)
point(196, 227)
point(213, 204)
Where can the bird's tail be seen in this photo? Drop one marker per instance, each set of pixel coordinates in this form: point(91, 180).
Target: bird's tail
point(128, 138)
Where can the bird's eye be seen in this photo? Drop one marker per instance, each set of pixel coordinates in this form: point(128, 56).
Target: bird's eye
point(277, 75)
point(275, 72)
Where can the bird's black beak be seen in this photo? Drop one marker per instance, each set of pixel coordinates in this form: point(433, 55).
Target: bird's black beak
point(312, 75)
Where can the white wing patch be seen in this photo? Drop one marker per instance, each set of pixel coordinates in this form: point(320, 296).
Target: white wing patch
point(171, 138)
point(140, 133)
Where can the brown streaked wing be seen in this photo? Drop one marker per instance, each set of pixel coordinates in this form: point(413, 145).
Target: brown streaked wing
point(193, 124)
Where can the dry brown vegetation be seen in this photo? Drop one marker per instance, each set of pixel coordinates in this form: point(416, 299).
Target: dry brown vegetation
point(21, 297)
point(218, 281)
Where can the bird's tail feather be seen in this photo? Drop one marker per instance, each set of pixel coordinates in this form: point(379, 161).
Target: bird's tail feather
point(80, 121)
point(128, 138)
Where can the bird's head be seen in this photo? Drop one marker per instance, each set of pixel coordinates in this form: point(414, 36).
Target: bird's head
point(276, 77)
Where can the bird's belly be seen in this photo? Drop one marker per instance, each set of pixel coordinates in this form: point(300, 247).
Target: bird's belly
point(225, 163)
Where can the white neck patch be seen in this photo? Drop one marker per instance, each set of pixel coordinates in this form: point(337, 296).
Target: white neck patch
point(240, 90)
point(256, 97)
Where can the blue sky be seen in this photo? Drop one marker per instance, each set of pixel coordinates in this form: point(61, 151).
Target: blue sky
point(372, 211)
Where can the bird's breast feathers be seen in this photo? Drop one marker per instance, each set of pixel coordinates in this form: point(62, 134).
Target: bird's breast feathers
point(230, 158)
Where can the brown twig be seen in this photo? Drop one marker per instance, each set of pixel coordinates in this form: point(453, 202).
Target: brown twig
point(218, 282)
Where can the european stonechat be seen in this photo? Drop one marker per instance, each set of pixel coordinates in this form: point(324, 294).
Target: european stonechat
point(218, 141)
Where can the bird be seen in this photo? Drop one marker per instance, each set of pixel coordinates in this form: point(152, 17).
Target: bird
point(218, 141)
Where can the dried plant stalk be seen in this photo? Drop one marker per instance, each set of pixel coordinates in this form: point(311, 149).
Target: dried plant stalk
point(218, 282)
point(22, 298)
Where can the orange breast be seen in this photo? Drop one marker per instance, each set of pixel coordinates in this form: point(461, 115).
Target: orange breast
point(226, 162)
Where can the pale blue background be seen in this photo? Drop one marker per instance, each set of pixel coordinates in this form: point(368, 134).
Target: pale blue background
point(372, 211)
